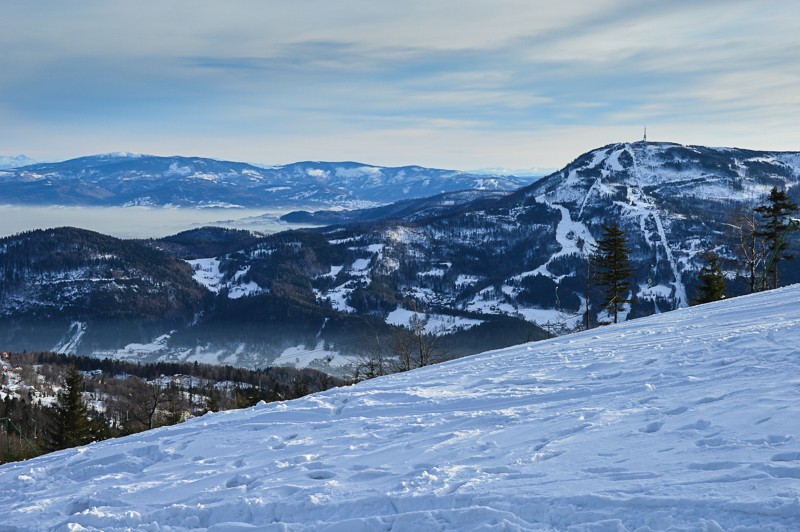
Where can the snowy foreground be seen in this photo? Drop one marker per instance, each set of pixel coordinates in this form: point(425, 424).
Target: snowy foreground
point(685, 421)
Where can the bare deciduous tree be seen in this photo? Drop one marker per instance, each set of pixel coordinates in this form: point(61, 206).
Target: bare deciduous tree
point(751, 248)
point(372, 362)
point(414, 347)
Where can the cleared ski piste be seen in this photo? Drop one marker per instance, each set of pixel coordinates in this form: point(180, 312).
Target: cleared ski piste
point(687, 420)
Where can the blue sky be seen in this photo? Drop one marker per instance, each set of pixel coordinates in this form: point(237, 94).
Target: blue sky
point(455, 84)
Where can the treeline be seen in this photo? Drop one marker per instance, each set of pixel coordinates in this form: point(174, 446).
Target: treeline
point(53, 401)
point(277, 378)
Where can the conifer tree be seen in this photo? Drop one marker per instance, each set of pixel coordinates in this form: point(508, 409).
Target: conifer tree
point(774, 221)
point(213, 399)
point(300, 387)
point(175, 404)
point(613, 269)
point(72, 423)
point(247, 396)
point(712, 281)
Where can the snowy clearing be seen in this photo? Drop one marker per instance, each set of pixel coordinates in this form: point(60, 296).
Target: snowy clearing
point(685, 421)
point(435, 324)
point(302, 357)
point(206, 272)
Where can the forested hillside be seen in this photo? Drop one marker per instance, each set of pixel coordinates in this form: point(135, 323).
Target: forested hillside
point(51, 401)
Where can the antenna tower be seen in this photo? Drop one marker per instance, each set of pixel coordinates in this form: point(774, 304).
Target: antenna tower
point(645, 133)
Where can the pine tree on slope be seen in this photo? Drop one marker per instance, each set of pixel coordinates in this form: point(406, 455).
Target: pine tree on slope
point(774, 221)
point(72, 423)
point(613, 269)
point(712, 281)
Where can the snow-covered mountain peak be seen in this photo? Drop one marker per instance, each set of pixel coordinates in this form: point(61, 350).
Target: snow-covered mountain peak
point(14, 161)
point(685, 420)
point(669, 169)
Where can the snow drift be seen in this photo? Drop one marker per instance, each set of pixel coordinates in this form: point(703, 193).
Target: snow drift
point(685, 420)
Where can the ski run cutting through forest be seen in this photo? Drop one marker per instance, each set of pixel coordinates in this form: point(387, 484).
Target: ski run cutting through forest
point(680, 289)
point(685, 420)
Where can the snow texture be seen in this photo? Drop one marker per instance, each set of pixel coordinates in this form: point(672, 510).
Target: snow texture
point(685, 420)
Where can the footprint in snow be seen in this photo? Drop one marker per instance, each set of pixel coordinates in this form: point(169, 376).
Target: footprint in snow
point(700, 424)
point(714, 466)
point(368, 474)
point(786, 457)
point(240, 480)
point(706, 400)
point(543, 456)
point(655, 426)
point(772, 439)
point(316, 465)
point(502, 470)
point(321, 475)
point(710, 442)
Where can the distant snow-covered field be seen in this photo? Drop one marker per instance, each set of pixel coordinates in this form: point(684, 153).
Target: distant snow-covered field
point(686, 420)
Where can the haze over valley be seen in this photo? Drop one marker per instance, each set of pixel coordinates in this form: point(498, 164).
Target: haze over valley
point(139, 222)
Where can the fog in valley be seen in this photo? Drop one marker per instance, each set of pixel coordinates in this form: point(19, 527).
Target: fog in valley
point(138, 222)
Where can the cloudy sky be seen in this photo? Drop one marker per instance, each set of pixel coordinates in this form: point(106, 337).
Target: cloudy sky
point(448, 83)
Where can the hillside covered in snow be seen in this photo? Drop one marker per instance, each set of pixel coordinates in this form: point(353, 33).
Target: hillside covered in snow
point(685, 420)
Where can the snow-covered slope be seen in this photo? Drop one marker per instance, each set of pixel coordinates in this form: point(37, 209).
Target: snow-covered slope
point(684, 421)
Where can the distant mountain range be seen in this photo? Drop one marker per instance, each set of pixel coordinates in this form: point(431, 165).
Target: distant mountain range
point(124, 179)
point(519, 172)
point(488, 269)
point(14, 161)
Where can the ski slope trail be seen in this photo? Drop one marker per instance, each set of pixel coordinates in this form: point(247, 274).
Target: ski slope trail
point(680, 297)
point(686, 420)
